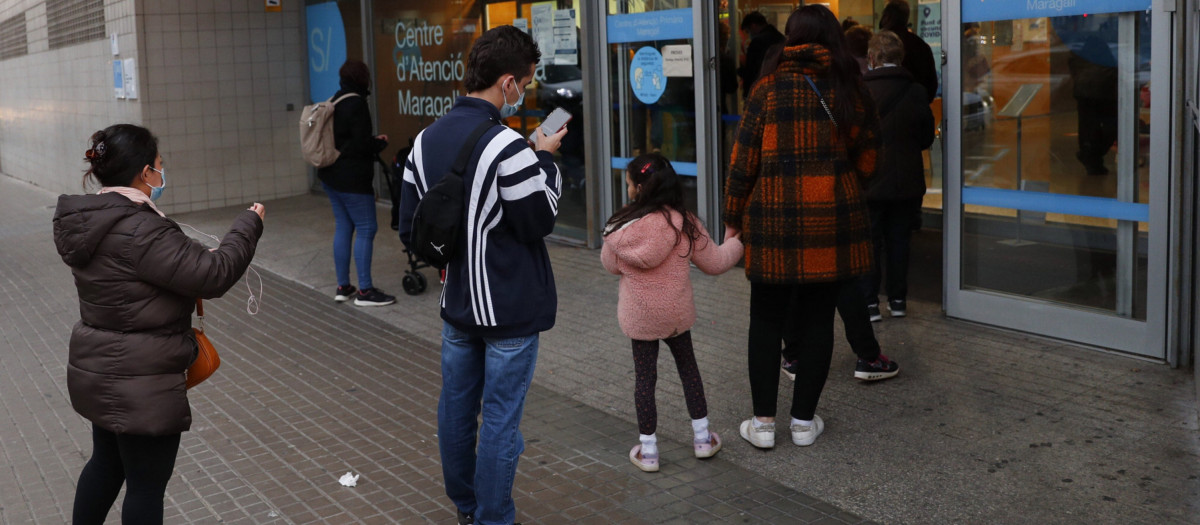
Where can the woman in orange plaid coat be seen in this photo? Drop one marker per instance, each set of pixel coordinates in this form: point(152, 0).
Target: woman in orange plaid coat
point(807, 141)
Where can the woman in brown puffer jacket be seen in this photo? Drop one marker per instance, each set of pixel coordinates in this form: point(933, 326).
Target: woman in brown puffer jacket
point(138, 277)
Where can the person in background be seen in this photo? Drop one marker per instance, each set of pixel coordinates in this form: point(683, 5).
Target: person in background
point(806, 142)
point(499, 294)
point(894, 195)
point(651, 243)
point(918, 56)
point(138, 277)
point(857, 37)
point(762, 36)
point(349, 183)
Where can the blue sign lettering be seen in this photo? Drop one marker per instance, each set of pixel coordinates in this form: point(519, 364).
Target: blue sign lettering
point(988, 10)
point(326, 49)
point(646, 75)
point(672, 24)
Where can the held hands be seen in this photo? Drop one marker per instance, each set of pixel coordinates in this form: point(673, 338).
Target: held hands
point(732, 233)
point(549, 143)
point(259, 209)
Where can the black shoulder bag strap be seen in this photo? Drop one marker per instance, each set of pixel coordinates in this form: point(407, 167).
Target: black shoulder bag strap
point(813, 85)
point(891, 102)
point(468, 147)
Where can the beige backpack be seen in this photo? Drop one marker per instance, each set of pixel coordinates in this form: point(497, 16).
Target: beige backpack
point(316, 132)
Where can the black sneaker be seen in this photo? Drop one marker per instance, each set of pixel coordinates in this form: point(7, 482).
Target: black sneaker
point(344, 293)
point(373, 297)
point(873, 311)
point(898, 308)
point(880, 368)
point(790, 368)
point(464, 518)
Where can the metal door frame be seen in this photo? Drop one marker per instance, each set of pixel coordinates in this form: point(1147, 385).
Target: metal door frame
point(1147, 338)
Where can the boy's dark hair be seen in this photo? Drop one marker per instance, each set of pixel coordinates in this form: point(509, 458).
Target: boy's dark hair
point(119, 153)
point(355, 72)
point(857, 39)
point(753, 19)
point(503, 50)
point(661, 192)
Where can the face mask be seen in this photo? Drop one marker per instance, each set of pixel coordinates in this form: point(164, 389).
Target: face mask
point(156, 192)
point(508, 110)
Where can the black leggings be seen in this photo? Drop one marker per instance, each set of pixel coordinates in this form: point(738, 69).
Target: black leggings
point(645, 367)
point(142, 463)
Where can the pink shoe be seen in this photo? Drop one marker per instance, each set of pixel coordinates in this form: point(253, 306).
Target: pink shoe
point(710, 449)
point(645, 463)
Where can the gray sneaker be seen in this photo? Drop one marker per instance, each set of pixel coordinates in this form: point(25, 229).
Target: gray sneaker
point(804, 436)
point(761, 437)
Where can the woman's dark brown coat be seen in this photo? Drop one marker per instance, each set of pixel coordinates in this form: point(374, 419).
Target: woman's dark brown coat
point(138, 276)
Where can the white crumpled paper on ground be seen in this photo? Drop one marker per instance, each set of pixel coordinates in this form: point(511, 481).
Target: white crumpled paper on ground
point(348, 480)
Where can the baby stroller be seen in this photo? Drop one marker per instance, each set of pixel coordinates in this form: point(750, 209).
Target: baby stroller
point(414, 282)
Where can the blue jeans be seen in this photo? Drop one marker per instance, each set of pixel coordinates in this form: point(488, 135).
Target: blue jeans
point(353, 211)
point(492, 374)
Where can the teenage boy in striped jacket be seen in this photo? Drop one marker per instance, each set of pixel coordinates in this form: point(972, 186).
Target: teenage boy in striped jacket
point(499, 292)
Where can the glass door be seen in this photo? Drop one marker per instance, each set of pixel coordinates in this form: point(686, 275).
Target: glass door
point(1052, 211)
point(653, 94)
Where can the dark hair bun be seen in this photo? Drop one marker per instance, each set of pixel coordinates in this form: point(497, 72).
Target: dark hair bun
point(119, 153)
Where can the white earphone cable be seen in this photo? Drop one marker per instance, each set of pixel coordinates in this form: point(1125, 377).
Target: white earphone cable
point(252, 302)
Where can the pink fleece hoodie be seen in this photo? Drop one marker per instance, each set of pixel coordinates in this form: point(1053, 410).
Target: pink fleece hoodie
point(655, 293)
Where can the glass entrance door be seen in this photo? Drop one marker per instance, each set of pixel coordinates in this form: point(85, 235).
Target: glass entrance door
point(1051, 207)
point(652, 91)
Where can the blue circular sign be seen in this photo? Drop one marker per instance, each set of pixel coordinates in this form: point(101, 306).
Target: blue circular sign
point(646, 75)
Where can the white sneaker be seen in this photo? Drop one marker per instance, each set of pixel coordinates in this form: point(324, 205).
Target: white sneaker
point(804, 436)
point(761, 437)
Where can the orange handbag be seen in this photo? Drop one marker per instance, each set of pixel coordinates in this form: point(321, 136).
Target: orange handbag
point(207, 360)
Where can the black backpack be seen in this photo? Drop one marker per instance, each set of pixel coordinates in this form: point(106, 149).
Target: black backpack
point(437, 222)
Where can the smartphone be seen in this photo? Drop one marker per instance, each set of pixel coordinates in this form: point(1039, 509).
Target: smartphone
point(554, 122)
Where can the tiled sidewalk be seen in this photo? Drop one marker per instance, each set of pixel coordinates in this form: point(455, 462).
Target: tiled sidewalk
point(309, 390)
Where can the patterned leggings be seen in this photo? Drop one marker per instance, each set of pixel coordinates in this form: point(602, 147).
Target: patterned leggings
point(645, 366)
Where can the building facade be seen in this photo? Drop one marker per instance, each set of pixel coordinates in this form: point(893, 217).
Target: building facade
point(1063, 180)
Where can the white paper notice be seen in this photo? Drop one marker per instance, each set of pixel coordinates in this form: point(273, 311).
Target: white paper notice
point(115, 50)
point(131, 81)
point(521, 23)
point(677, 61)
point(542, 27)
point(566, 39)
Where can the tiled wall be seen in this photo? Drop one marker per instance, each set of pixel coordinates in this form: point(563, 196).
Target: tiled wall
point(220, 76)
point(215, 79)
point(52, 100)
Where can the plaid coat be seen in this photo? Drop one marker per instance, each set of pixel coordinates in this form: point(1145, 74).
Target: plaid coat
point(795, 185)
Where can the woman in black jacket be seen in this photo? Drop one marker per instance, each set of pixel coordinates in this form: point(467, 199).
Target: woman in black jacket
point(349, 184)
point(894, 195)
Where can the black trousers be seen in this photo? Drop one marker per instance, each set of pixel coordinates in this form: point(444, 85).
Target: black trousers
point(852, 308)
point(892, 224)
point(142, 463)
point(813, 315)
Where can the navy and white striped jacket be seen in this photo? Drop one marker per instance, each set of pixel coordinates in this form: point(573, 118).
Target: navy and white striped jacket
point(499, 283)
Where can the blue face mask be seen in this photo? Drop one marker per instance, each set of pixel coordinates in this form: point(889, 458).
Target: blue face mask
point(156, 192)
point(508, 110)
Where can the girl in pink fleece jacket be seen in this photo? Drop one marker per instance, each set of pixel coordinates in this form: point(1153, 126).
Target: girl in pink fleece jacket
point(650, 243)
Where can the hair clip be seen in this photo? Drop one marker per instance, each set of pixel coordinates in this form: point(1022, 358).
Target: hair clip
point(646, 169)
point(96, 152)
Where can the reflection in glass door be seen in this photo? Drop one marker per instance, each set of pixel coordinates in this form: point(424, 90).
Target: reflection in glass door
point(1053, 224)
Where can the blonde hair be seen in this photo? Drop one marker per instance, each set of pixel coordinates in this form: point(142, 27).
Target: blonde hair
point(885, 48)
